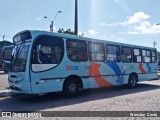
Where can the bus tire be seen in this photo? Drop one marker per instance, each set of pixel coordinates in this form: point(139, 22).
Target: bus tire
point(70, 88)
point(132, 81)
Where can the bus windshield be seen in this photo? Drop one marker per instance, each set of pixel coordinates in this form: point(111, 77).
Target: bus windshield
point(19, 57)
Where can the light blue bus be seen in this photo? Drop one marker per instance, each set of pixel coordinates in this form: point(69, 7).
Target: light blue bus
point(45, 62)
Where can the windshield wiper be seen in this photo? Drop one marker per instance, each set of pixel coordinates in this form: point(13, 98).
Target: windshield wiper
point(14, 57)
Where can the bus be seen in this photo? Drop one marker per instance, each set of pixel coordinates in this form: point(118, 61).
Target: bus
point(44, 62)
point(2, 44)
point(0, 61)
point(158, 66)
point(6, 57)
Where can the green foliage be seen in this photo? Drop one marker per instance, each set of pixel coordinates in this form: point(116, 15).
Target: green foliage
point(68, 31)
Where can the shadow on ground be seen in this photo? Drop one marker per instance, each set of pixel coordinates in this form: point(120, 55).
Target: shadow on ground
point(53, 100)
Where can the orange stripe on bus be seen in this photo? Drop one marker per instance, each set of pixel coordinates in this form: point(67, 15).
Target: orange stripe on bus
point(141, 68)
point(94, 71)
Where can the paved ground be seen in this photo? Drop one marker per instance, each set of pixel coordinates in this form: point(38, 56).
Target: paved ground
point(3, 81)
point(145, 97)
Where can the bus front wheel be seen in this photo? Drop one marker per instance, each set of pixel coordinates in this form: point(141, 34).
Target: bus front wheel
point(132, 82)
point(70, 88)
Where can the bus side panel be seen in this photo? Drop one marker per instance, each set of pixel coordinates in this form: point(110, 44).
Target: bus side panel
point(105, 74)
point(145, 71)
point(47, 81)
point(119, 72)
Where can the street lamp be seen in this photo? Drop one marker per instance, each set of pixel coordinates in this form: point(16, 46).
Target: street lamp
point(154, 44)
point(51, 25)
point(3, 37)
point(4, 40)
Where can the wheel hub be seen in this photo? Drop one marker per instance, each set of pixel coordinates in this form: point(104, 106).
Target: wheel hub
point(72, 87)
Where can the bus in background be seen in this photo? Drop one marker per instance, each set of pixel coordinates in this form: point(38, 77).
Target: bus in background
point(158, 66)
point(45, 62)
point(6, 57)
point(0, 61)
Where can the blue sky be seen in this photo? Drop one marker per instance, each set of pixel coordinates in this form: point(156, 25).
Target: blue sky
point(126, 21)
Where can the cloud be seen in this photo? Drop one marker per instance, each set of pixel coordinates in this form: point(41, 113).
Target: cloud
point(139, 24)
point(92, 32)
point(80, 33)
point(113, 24)
point(145, 28)
point(136, 24)
point(137, 17)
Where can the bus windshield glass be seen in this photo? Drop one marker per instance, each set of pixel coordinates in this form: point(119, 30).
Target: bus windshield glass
point(19, 57)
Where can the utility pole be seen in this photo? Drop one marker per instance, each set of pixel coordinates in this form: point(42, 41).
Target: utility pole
point(76, 18)
point(51, 27)
point(3, 37)
point(4, 40)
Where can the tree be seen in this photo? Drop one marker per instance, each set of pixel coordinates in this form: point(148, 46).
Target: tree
point(68, 31)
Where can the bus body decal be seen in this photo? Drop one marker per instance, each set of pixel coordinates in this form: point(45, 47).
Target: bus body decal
point(94, 71)
point(116, 70)
point(142, 69)
point(149, 67)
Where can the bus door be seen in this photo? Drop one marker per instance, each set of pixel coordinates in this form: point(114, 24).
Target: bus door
point(126, 63)
point(47, 54)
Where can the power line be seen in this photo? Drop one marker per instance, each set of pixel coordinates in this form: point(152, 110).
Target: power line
point(68, 5)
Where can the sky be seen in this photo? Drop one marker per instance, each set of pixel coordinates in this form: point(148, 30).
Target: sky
point(125, 21)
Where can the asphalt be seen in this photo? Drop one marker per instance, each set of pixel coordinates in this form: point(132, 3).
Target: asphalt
point(5, 93)
point(4, 89)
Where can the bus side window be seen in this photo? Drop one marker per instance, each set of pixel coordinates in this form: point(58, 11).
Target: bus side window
point(146, 55)
point(96, 52)
point(76, 50)
point(137, 58)
point(113, 53)
point(126, 54)
point(45, 55)
point(48, 50)
point(154, 56)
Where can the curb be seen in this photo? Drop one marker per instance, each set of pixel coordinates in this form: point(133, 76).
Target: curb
point(5, 93)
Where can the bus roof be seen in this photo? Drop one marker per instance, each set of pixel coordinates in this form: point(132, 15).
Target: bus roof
point(35, 33)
